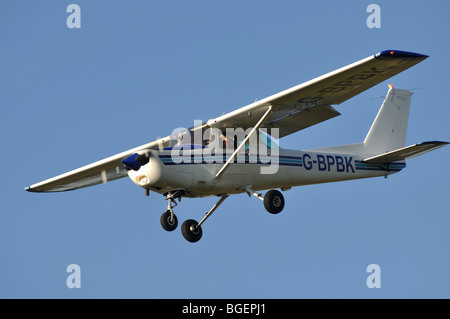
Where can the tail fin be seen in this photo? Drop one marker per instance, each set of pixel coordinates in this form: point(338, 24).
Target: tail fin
point(385, 142)
point(388, 131)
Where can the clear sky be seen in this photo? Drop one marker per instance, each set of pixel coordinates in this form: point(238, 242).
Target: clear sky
point(136, 70)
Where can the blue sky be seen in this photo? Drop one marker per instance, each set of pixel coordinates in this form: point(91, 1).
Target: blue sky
point(135, 71)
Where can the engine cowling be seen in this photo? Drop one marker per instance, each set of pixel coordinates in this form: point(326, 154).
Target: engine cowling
point(145, 168)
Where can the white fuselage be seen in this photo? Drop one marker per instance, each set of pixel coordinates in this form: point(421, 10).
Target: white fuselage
point(195, 172)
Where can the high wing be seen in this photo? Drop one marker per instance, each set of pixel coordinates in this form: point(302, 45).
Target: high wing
point(102, 171)
point(291, 110)
point(310, 103)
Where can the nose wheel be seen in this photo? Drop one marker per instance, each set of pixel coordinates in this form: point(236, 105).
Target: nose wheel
point(169, 221)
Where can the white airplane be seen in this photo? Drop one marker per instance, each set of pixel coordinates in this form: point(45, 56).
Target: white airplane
point(202, 161)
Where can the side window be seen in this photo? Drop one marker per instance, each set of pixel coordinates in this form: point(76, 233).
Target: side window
point(268, 140)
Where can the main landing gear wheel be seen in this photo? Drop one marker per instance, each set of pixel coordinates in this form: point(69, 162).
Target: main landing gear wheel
point(191, 231)
point(167, 222)
point(274, 201)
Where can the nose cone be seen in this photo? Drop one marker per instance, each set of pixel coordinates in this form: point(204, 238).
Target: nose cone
point(131, 162)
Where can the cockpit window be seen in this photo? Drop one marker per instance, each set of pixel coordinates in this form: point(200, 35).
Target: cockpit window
point(269, 140)
point(230, 139)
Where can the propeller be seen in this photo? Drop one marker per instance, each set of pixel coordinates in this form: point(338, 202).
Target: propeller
point(135, 161)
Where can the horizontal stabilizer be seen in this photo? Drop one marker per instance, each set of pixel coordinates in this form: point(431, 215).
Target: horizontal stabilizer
point(405, 152)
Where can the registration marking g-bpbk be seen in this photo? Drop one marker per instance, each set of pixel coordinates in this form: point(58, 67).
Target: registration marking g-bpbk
point(329, 163)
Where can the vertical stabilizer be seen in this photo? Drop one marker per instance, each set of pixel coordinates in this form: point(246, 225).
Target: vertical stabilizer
point(388, 131)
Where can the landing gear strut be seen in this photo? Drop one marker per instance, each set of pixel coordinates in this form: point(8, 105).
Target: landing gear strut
point(168, 219)
point(191, 230)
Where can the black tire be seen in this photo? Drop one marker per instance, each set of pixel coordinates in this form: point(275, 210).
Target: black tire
point(274, 201)
point(191, 232)
point(167, 223)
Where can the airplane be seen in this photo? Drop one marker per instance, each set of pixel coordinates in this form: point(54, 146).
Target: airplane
point(203, 161)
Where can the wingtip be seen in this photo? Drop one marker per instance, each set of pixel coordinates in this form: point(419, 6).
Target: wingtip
point(443, 143)
point(400, 54)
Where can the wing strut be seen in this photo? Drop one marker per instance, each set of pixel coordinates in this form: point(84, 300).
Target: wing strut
point(244, 142)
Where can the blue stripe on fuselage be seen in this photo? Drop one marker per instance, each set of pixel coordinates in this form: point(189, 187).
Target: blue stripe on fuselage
point(321, 162)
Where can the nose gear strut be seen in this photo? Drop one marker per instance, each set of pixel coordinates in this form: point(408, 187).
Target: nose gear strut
point(168, 219)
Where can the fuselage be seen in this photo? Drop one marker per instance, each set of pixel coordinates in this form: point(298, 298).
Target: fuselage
point(194, 170)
